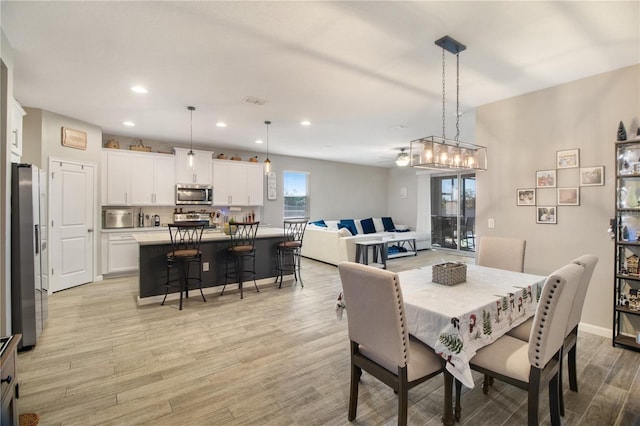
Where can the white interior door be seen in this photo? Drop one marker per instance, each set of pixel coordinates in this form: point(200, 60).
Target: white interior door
point(72, 201)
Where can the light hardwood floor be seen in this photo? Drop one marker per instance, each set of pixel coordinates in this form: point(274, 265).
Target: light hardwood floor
point(278, 357)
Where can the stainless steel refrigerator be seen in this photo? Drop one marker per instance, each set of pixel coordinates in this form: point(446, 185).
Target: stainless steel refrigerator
point(29, 283)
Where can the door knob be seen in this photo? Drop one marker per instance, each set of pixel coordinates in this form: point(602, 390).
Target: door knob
point(90, 230)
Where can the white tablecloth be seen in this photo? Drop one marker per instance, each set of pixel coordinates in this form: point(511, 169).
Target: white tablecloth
point(458, 320)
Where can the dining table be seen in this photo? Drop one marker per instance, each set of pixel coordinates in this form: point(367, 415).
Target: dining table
point(457, 320)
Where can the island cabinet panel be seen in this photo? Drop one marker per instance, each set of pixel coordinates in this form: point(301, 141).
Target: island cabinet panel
point(153, 264)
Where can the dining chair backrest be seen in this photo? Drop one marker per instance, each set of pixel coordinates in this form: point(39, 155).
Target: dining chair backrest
point(294, 230)
point(588, 262)
point(185, 238)
point(375, 311)
point(552, 313)
point(243, 234)
point(502, 253)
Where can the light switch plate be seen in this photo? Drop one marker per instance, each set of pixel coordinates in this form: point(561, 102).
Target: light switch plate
point(491, 223)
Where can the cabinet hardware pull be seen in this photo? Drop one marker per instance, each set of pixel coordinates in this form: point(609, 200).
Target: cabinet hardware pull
point(8, 379)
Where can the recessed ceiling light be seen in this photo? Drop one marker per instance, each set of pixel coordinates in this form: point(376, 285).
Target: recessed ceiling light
point(305, 123)
point(259, 141)
point(129, 123)
point(139, 89)
point(221, 124)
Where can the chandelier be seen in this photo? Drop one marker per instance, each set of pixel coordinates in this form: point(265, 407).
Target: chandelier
point(435, 152)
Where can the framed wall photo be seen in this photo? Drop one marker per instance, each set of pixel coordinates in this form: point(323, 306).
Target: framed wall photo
point(546, 179)
point(568, 196)
point(526, 197)
point(592, 176)
point(567, 159)
point(546, 214)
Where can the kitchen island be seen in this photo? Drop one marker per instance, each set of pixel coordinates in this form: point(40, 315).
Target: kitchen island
point(154, 246)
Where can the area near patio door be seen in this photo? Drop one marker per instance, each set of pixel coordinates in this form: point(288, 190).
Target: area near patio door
point(453, 211)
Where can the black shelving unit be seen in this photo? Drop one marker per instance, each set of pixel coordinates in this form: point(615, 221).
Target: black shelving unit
point(627, 244)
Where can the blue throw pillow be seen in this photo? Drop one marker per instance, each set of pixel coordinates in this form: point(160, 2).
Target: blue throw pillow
point(388, 224)
point(367, 226)
point(319, 223)
point(349, 224)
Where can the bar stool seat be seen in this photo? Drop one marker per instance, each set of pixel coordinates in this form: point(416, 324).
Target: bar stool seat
point(288, 250)
point(185, 252)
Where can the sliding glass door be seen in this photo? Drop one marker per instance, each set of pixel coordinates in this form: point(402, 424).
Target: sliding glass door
point(453, 211)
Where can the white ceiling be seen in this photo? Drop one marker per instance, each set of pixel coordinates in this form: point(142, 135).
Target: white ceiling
point(366, 74)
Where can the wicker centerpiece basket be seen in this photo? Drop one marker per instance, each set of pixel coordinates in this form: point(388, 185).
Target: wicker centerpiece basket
point(449, 273)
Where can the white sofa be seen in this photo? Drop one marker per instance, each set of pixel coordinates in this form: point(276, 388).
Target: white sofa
point(332, 245)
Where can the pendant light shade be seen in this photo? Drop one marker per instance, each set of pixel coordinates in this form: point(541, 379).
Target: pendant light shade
point(267, 162)
point(191, 154)
point(440, 153)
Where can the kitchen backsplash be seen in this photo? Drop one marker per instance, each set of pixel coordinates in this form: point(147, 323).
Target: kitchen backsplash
point(166, 213)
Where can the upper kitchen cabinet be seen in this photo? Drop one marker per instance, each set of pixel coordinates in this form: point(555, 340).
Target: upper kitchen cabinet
point(237, 183)
point(17, 113)
point(199, 172)
point(137, 179)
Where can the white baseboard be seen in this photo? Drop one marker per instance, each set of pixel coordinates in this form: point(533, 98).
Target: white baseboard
point(593, 329)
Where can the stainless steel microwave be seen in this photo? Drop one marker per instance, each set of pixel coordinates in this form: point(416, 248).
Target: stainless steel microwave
point(192, 194)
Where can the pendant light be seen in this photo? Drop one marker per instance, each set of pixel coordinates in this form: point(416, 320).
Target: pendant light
point(440, 153)
point(191, 154)
point(267, 162)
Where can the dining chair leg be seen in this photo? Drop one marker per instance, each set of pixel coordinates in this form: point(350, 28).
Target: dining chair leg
point(403, 396)
point(533, 397)
point(554, 399)
point(356, 372)
point(560, 386)
point(458, 409)
point(571, 362)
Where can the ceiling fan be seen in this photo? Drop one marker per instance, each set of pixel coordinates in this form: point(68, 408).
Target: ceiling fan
point(402, 159)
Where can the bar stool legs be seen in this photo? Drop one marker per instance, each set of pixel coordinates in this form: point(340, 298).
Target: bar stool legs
point(288, 261)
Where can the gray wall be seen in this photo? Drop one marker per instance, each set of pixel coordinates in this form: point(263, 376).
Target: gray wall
point(337, 190)
point(523, 135)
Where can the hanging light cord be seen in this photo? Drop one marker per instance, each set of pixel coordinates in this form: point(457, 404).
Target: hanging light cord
point(457, 96)
point(267, 123)
point(443, 98)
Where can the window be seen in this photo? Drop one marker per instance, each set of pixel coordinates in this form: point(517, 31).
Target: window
point(449, 215)
point(296, 194)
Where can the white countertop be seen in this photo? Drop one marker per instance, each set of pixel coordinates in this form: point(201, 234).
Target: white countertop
point(163, 237)
point(137, 229)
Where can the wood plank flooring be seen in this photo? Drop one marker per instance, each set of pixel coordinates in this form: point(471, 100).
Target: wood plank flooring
point(277, 357)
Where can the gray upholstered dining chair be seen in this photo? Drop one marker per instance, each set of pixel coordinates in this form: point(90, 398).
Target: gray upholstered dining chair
point(380, 342)
point(523, 331)
point(501, 253)
point(527, 365)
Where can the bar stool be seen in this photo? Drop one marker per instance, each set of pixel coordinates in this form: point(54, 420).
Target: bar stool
point(185, 251)
point(288, 250)
point(243, 238)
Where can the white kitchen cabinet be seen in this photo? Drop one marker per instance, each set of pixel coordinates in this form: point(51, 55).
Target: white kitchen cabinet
point(199, 173)
point(255, 184)
point(120, 253)
point(116, 178)
point(237, 183)
point(17, 114)
point(138, 179)
point(152, 180)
